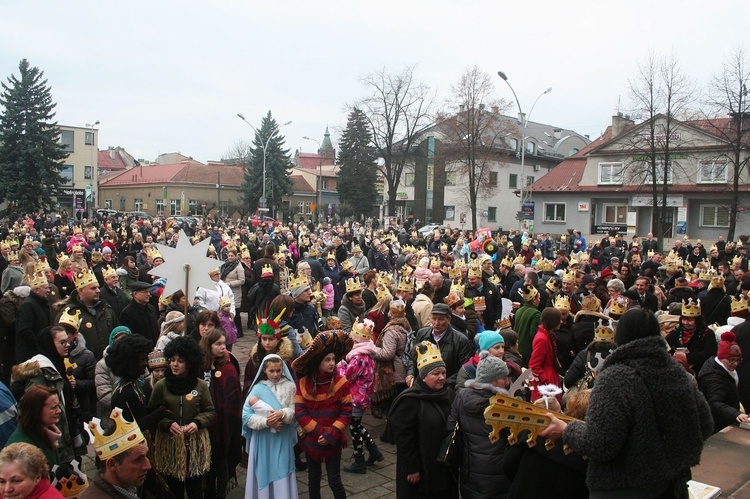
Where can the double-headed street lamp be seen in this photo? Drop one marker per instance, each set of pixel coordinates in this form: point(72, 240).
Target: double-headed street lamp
point(320, 177)
point(265, 146)
point(524, 124)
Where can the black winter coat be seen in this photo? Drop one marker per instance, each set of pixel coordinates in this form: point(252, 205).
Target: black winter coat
point(701, 346)
point(115, 298)
point(721, 392)
point(95, 328)
point(33, 317)
point(743, 340)
point(716, 307)
point(141, 319)
point(646, 421)
point(481, 475)
point(455, 349)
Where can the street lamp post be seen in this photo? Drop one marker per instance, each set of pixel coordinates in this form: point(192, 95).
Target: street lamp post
point(265, 146)
point(94, 172)
point(320, 177)
point(524, 124)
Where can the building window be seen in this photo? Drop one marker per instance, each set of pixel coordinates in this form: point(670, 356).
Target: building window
point(450, 213)
point(492, 213)
point(89, 141)
point(714, 216)
point(307, 211)
point(659, 167)
point(529, 180)
point(712, 172)
point(610, 173)
point(324, 184)
point(450, 179)
point(614, 214)
point(66, 174)
point(408, 179)
point(108, 204)
point(530, 147)
point(87, 172)
point(174, 207)
point(193, 206)
point(493, 178)
point(224, 208)
point(66, 139)
point(514, 144)
point(513, 181)
point(554, 212)
point(138, 205)
point(159, 207)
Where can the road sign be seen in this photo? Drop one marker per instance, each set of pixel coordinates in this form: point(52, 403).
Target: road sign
point(263, 209)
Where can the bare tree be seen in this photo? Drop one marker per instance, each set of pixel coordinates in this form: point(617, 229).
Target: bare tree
point(473, 136)
point(239, 153)
point(661, 93)
point(728, 95)
point(397, 109)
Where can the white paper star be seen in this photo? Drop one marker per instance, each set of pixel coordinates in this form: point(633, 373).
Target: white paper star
point(177, 259)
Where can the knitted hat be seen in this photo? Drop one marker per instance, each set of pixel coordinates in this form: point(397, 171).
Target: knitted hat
point(156, 359)
point(728, 347)
point(588, 279)
point(490, 368)
point(117, 332)
point(489, 339)
point(429, 358)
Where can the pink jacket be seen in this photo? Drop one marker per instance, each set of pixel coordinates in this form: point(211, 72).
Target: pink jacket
point(421, 275)
point(359, 370)
point(328, 290)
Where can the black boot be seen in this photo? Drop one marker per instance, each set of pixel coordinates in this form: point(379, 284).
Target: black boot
point(375, 455)
point(358, 466)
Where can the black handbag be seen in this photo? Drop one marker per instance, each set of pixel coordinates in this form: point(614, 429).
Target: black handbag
point(452, 449)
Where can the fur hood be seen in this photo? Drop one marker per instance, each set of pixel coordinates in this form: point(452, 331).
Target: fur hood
point(32, 368)
point(588, 315)
point(285, 350)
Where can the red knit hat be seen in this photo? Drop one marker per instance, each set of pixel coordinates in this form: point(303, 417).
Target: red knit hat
point(728, 347)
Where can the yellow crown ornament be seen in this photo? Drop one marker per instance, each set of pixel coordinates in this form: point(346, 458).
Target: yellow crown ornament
point(737, 262)
point(305, 339)
point(108, 272)
point(619, 306)
point(519, 260)
point(406, 284)
point(38, 280)
point(353, 285)
point(73, 485)
point(604, 333)
point(562, 302)
point(553, 285)
point(494, 279)
point(382, 293)
point(717, 282)
point(569, 276)
point(385, 278)
point(475, 271)
point(454, 273)
point(4, 245)
point(77, 248)
point(41, 267)
point(85, 278)
point(691, 308)
point(427, 354)
point(507, 262)
point(453, 298)
point(407, 270)
point(362, 331)
point(504, 323)
point(650, 254)
point(73, 320)
point(457, 287)
point(480, 304)
point(528, 293)
point(298, 281)
point(126, 435)
point(739, 305)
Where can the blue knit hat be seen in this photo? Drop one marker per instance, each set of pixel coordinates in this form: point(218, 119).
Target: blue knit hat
point(118, 331)
point(489, 339)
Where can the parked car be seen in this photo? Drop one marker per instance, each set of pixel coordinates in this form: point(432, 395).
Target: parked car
point(139, 214)
point(106, 212)
point(424, 231)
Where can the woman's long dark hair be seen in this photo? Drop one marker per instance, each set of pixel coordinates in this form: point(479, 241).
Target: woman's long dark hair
point(30, 410)
point(635, 324)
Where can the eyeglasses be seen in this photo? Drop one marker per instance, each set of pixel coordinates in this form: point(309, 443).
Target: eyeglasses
point(63, 343)
point(734, 361)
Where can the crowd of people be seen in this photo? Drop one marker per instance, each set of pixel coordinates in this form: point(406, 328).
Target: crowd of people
point(420, 329)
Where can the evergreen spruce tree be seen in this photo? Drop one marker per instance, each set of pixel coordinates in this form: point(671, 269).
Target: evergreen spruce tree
point(30, 149)
point(358, 172)
point(278, 168)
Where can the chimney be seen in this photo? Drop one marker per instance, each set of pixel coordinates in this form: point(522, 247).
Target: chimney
point(557, 132)
point(495, 109)
point(619, 124)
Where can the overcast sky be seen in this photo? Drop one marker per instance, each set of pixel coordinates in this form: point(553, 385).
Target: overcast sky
point(171, 76)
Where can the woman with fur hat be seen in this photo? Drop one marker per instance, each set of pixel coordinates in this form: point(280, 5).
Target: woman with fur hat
point(481, 476)
point(718, 381)
point(691, 342)
point(323, 408)
point(172, 327)
point(417, 424)
point(646, 420)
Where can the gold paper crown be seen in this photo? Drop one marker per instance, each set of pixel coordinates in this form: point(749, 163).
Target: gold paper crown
point(353, 285)
point(164, 300)
point(4, 245)
point(406, 284)
point(475, 271)
point(305, 339)
point(553, 285)
point(73, 320)
point(528, 293)
point(604, 333)
point(453, 298)
point(569, 276)
point(650, 254)
point(737, 262)
point(707, 275)
point(494, 279)
point(691, 308)
point(382, 293)
point(480, 304)
point(41, 267)
point(713, 248)
point(537, 254)
point(562, 302)
point(298, 281)
point(739, 305)
point(507, 262)
point(454, 273)
point(443, 247)
point(85, 278)
point(385, 278)
point(73, 485)
point(154, 254)
point(108, 272)
point(38, 280)
point(224, 301)
point(362, 331)
point(333, 322)
point(427, 354)
point(504, 323)
point(407, 270)
point(13, 255)
point(573, 261)
point(716, 282)
point(76, 247)
point(457, 287)
point(355, 249)
point(77, 230)
point(619, 306)
point(96, 257)
point(508, 412)
point(519, 260)
point(268, 269)
point(245, 255)
point(331, 255)
point(435, 262)
point(347, 264)
point(125, 436)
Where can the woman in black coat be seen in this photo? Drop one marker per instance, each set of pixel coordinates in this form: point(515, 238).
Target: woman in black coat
point(718, 382)
point(691, 342)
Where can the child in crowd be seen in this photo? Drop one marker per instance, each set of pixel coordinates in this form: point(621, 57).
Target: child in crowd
point(268, 426)
point(323, 408)
point(329, 292)
point(227, 321)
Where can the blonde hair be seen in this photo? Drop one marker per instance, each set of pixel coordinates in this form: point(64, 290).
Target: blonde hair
point(28, 457)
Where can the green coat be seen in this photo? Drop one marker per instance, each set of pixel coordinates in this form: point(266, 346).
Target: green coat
point(49, 453)
point(528, 319)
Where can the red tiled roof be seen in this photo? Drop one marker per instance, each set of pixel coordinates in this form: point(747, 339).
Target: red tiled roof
point(308, 159)
point(301, 186)
point(106, 162)
point(186, 171)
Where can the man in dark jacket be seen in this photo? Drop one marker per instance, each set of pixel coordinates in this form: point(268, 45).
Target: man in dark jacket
point(97, 317)
point(111, 293)
point(268, 259)
point(304, 316)
point(33, 316)
point(455, 347)
point(479, 286)
point(140, 316)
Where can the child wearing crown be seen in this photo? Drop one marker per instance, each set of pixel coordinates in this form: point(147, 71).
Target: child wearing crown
point(226, 319)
